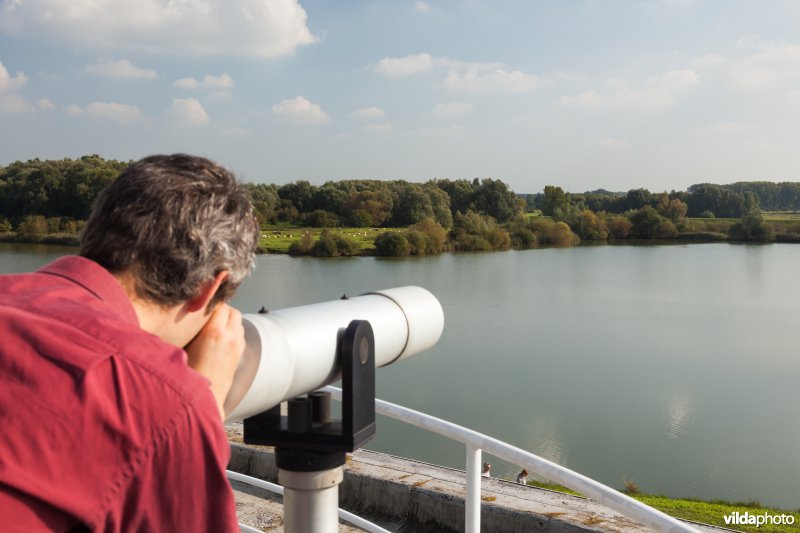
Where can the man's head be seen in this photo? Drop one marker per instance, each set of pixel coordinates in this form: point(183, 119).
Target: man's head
point(173, 223)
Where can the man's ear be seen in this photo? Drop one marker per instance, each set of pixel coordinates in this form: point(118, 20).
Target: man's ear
point(207, 292)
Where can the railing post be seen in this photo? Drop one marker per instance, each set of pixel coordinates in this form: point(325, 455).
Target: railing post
point(472, 500)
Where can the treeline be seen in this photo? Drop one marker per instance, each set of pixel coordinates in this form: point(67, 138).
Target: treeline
point(376, 203)
point(704, 201)
point(63, 189)
point(48, 200)
point(66, 189)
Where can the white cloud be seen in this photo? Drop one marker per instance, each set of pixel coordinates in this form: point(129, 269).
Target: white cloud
point(369, 113)
point(463, 76)
point(186, 83)
point(421, 7)
point(74, 110)
point(453, 109)
point(9, 83)
point(189, 111)
point(10, 101)
point(261, 28)
point(223, 81)
point(497, 80)
point(300, 110)
point(122, 69)
point(774, 66)
point(654, 92)
point(405, 66)
point(122, 113)
point(385, 128)
point(13, 103)
point(44, 104)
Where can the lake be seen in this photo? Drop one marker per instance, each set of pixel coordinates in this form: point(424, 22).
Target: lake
point(675, 366)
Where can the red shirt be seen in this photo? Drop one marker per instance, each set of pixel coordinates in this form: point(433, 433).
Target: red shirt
point(102, 425)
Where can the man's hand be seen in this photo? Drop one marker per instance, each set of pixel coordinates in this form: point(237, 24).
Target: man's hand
point(216, 350)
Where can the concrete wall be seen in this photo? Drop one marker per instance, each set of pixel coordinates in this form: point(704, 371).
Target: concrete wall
point(414, 496)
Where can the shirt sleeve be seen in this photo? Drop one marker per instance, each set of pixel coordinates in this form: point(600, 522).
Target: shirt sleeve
point(181, 485)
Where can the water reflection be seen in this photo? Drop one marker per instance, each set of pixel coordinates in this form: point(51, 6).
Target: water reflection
point(679, 415)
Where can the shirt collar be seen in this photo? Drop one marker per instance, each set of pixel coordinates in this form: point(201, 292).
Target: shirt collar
point(96, 280)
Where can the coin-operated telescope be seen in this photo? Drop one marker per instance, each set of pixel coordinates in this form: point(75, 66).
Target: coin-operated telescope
point(290, 353)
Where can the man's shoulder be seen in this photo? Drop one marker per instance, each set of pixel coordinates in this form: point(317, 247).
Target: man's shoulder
point(69, 326)
point(88, 397)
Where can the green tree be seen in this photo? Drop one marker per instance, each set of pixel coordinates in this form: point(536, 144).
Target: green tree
point(554, 199)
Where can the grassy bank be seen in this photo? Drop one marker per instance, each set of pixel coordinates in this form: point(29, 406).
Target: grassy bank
point(708, 512)
point(277, 239)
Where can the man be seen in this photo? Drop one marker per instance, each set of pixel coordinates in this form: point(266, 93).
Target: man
point(114, 364)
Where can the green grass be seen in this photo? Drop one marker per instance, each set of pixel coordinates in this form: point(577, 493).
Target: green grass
point(708, 512)
point(277, 239)
point(713, 512)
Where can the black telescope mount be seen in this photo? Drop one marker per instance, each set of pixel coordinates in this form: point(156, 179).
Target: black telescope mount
point(311, 447)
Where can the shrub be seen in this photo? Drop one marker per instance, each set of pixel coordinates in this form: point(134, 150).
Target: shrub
point(631, 487)
point(475, 232)
point(302, 246)
point(361, 219)
point(32, 226)
point(473, 243)
point(322, 219)
point(754, 228)
point(416, 242)
point(74, 226)
point(707, 214)
point(392, 243)
point(553, 233)
point(5, 225)
point(500, 239)
point(53, 224)
point(620, 227)
point(648, 224)
point(522, 236)
point(331, 244)
point(687, 225)
point(435, 235)
point(588, 226)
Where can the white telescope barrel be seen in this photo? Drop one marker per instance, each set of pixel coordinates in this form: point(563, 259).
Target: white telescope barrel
point(293, 351)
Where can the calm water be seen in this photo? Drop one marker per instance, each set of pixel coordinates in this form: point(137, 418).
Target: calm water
point(675, 366)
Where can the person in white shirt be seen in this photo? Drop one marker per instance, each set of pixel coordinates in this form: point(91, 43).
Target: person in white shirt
point(522, 477)
point(486, 470)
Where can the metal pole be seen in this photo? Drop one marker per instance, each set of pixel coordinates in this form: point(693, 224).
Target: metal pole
point(311, 500)
point(472, 501)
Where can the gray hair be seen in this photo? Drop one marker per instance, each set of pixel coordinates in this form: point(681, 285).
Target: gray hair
point(174, 222)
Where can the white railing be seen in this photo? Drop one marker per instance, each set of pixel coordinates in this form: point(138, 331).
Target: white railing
point(475, 444)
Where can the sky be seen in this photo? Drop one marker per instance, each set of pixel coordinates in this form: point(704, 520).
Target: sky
point(584, 94)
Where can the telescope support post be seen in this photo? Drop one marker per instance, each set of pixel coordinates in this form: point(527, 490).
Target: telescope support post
point(311, 500)
point(310, 448)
